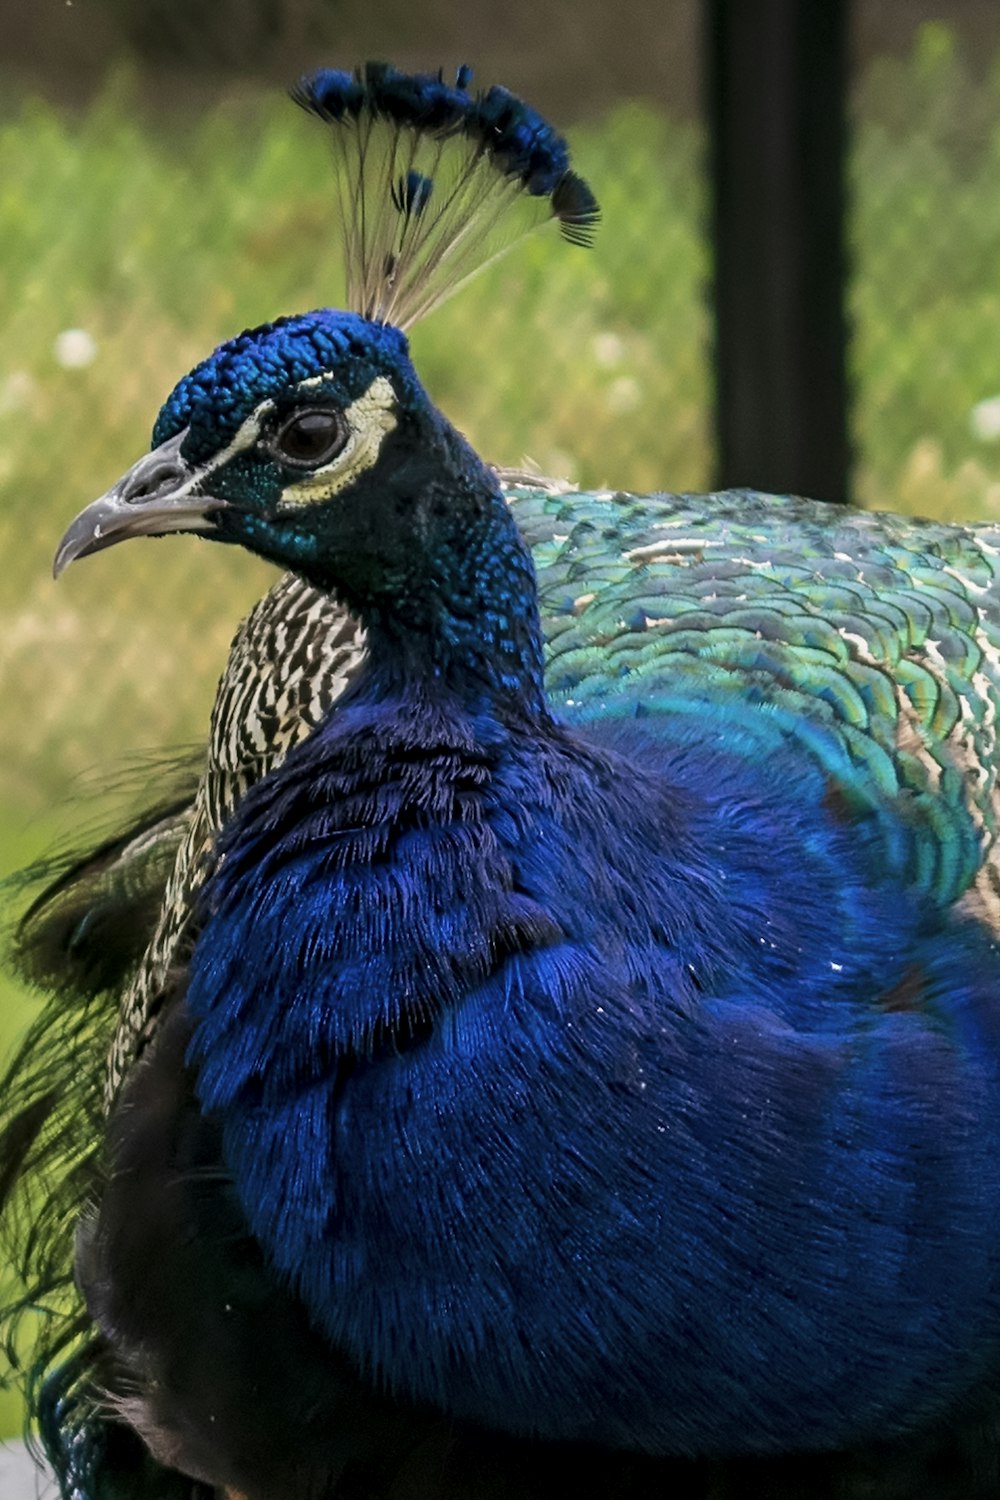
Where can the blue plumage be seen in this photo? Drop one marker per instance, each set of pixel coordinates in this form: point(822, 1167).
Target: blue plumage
point(588, 1045)
point(539, 1059)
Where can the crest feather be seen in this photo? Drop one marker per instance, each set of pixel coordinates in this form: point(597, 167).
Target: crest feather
point(436, 182)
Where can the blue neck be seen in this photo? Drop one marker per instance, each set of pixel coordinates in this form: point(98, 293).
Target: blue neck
point(452, 603)
point(479, 643)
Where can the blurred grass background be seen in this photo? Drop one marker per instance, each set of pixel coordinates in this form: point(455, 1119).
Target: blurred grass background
point(137, 229)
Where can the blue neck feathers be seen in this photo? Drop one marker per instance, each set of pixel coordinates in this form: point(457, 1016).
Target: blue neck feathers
point(470, 630)
point(426, 553)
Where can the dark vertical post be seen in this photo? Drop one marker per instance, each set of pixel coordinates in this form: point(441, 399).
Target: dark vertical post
point(777, 73)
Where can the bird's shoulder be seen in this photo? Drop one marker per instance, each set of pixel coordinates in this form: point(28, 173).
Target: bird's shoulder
point(871, 641)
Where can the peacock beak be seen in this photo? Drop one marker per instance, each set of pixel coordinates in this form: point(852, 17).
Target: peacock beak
point(159, 494)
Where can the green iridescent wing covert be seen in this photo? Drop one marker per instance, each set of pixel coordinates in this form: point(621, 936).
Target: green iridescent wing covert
point(873, 639)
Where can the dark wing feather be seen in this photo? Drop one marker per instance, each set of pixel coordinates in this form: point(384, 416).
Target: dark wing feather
point(88, 926)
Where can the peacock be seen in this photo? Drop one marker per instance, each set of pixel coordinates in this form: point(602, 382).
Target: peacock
point(572, 1063)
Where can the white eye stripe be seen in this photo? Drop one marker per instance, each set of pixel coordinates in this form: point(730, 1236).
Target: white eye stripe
point(245, 437)
point(315, 380)
point(370, 419)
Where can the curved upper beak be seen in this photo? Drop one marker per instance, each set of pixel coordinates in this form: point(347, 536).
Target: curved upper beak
point(159, 494)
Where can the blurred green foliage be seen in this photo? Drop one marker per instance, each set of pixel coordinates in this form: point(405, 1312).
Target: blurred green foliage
point(591, 365)
point(156, 240)
point(925, 290)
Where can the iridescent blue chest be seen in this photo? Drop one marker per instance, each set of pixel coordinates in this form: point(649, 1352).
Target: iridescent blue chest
point(538, 1055)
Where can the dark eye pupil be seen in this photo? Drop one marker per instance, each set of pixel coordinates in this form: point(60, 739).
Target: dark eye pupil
point(312, 437)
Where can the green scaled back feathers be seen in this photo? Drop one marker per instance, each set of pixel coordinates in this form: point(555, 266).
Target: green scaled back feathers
point(874, 638)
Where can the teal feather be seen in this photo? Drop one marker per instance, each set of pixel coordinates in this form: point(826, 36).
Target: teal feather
point(874, 638)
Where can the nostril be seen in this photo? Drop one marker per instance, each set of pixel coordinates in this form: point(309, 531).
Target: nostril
point(158, 478)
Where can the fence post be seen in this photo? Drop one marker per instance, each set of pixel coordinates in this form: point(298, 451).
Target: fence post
point(776, 84)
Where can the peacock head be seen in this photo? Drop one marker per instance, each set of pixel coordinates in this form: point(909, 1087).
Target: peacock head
point(311, 442)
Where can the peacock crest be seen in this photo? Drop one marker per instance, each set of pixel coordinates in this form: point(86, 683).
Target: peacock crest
point(436, 181)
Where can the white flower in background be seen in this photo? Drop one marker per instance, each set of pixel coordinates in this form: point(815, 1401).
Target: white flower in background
point(75, 348)
point(984, 419)
point(609, 349)
point(16, 390)
point(623, 394)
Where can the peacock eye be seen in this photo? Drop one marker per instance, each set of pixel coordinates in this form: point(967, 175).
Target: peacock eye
point(310, 438)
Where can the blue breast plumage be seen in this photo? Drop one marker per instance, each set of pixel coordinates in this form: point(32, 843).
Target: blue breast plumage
point(662, 1042)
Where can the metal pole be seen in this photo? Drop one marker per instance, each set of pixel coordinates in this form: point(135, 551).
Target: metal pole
point(776, 75)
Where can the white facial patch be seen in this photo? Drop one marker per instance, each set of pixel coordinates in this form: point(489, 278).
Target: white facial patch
point(245, 437)
point(369, 419)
